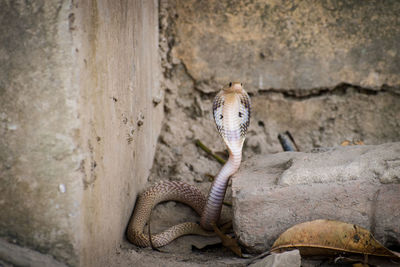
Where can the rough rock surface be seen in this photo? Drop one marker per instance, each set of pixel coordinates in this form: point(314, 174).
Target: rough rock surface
point(317, 77)
point(285, 259)
point(357, 184)
point(20, 256)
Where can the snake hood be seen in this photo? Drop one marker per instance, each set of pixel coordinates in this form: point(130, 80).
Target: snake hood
point(231, 110)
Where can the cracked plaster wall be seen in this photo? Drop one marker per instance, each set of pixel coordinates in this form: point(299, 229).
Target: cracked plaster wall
point(324, 70)
point(79, 120)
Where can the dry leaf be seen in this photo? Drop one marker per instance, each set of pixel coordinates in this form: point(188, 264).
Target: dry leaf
point(326, 237)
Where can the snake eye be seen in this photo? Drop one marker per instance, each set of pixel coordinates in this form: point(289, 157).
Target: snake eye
point(240, 114)
point(220, 117)
point(241, 84)
point(230, 84)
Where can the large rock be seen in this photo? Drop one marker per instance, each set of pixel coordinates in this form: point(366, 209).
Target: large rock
point(358, 184)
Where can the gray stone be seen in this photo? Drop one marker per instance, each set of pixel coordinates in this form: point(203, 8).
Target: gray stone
point(286, 259)
point(355, 184)
point(20, 256)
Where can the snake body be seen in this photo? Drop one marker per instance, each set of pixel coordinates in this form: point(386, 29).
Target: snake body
point(231, 111)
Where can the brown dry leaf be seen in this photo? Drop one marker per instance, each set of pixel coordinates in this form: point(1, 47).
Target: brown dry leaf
point(326, 237)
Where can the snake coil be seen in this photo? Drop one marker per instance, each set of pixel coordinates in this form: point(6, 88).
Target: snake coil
point(231, 111)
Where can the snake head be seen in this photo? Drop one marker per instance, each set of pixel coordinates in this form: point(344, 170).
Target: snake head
point(231, 110)
point(234, 87)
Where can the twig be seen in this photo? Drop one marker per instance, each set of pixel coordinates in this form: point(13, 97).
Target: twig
point(208, 151)
point(227, 203)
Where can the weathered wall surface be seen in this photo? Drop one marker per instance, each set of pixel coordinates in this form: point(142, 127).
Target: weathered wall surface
point(324, 70)
point(79, 118)
point(289, 45)
point(40, 181)
point(118, 63)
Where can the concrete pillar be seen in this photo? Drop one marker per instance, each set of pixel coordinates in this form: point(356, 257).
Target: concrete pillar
point(79, 119)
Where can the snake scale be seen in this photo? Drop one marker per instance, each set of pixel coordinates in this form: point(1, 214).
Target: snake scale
point(231, 111)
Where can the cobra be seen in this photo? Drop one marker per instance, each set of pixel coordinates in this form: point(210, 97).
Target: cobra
point(231, 111)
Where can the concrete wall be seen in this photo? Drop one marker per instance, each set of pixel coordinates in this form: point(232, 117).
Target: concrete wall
point(79, 118)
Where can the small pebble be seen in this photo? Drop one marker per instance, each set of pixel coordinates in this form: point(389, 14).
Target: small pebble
point(12, 127)
point(62, 188)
